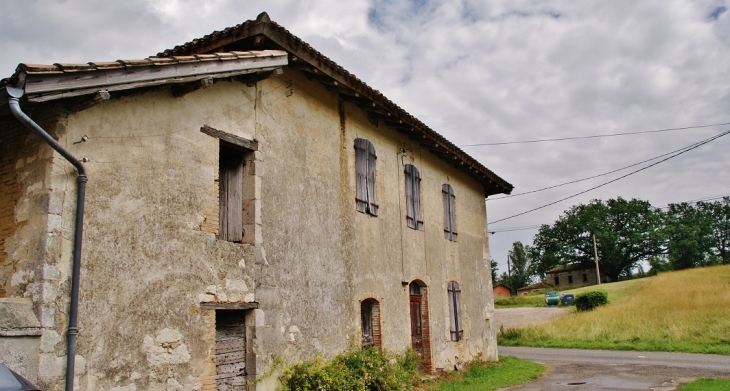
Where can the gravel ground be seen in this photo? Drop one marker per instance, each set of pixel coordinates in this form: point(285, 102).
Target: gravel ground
point(587, 370)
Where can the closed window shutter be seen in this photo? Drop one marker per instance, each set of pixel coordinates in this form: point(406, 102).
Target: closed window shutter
point(413, 197)
point(449, 212)
point(452, 214)
point(230, 195)
point(410, 213)
point(417, 199)
point(454, 311)
point(361, 174)
point(372, 199)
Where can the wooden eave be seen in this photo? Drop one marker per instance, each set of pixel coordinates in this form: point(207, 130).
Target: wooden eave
point(61, 81)
point(263, 33)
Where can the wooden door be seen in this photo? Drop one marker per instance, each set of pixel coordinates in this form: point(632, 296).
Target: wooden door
point(416, 325)
point(230, 351)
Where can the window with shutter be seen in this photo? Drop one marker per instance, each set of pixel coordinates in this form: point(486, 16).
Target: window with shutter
point(230, 197)
point(455, 311)
point(370, 317)
point(449, 212)
point(365, 198)
point(413, 197)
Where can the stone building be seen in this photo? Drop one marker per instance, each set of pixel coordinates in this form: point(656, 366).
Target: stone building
point(248, 202)
point(573, 276)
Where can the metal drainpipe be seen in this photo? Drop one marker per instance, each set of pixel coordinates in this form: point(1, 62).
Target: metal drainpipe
point(14, 94)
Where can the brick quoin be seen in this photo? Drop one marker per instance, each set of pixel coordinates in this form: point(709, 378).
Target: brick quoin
point(426, 326)
point(377, 338)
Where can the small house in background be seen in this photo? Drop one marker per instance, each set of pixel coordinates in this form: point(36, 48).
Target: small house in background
point(501, 290)
point(534, 287)
point(573, 276)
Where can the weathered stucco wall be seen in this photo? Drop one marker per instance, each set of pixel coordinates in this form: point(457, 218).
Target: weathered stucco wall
point(324, 258)
point(153, 270)
point(36, 243)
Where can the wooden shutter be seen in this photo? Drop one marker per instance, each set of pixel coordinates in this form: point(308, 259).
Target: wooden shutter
point(230, 184)
point(449, 212)
point(361, 174)
point(454, 311)
point(372, 199)
point(365, 198)
point(366, 315)
point(417, 198)
point(413, 197)
point(410, 213)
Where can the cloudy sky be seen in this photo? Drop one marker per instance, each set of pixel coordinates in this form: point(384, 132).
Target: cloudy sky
point(478, 72)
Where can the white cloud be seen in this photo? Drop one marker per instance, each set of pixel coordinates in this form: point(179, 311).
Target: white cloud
point(476, 72)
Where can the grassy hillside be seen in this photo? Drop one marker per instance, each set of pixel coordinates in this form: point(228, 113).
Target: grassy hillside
point(617, 291)
point(685, 311)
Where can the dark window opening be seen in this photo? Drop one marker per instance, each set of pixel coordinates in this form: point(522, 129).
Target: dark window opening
point(557, 281)
point(449, 212)
point(570, 279)
point(370, 318)
point(230, 195)
point(585, 277)
point(230, 350)
point(413, 197)
point(365, 198)
point(457, 333)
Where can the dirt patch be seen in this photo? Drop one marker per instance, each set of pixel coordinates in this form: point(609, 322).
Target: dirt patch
point(518, 317)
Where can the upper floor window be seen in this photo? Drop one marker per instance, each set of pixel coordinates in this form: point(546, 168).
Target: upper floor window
point(413, 197)
point(365, 176)
point(449, 212)
point(455, 311)
point(230, 198)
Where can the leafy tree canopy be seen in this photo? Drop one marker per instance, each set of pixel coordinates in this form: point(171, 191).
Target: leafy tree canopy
point(520, 267)
point(627, 232)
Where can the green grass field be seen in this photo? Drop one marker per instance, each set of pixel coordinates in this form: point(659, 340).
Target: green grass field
point(487, 376)
point(707, 385)
point(684, 311)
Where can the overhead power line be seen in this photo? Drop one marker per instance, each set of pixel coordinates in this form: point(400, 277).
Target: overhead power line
point(535, 226)
point(689, 148)
point(696, 200)
point(493, 231)
point(592, 136)
point(587, 178)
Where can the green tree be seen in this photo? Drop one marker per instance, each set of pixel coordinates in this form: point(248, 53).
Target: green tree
point(521, 271)
point(720, 215)
point(504, 279)
point(494, 265)
point(627, 232)
point(689, 231)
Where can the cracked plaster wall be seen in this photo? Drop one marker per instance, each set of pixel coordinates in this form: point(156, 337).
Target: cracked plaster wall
point(151, 255)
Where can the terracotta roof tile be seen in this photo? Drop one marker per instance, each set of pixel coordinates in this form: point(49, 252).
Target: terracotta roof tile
point(136, 63)
point(70, 67)
point(108, 64)
point(39, 68)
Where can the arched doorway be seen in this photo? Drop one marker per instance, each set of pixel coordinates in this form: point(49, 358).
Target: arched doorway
point(420, 327)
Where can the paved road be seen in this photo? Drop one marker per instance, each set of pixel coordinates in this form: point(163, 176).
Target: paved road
point(582, 370)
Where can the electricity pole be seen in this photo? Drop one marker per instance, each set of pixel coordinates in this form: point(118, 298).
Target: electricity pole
point(509, 276)
point(595, 252)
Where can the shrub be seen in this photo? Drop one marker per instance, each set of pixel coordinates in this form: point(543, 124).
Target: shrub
point(590, 300)
point(369, 369)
